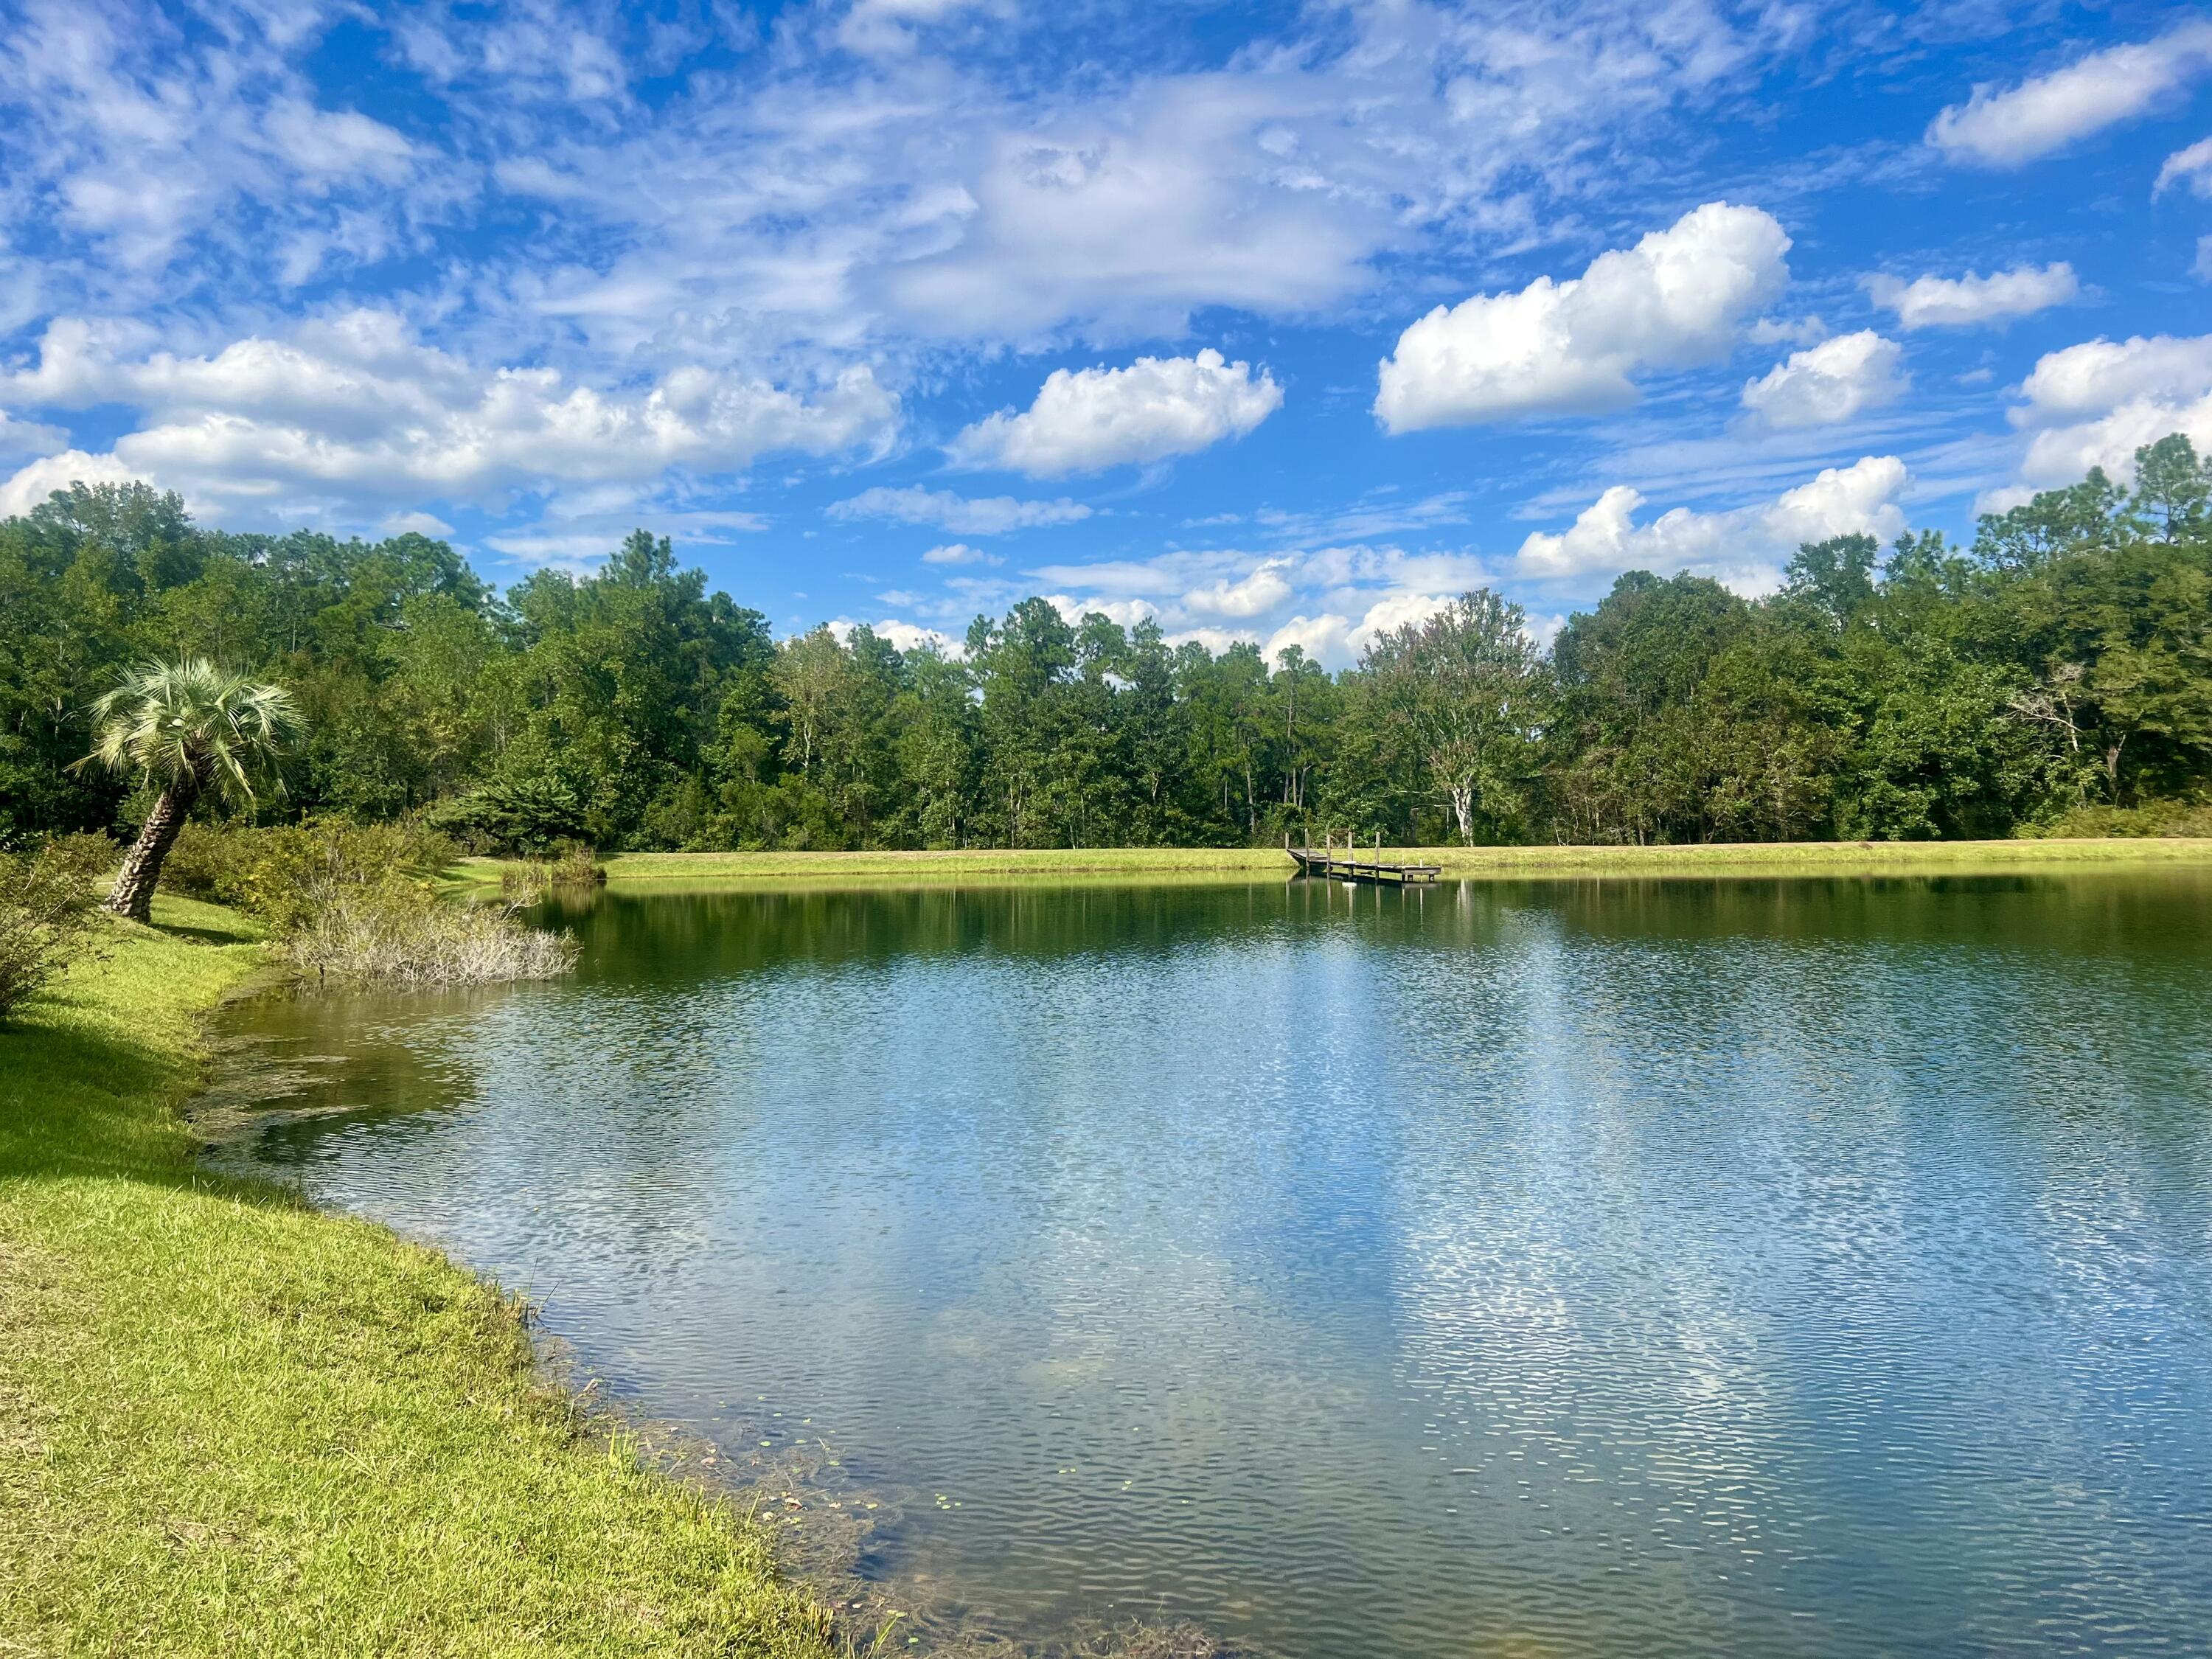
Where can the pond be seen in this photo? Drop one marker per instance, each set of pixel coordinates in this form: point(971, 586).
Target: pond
point(1598, 1268)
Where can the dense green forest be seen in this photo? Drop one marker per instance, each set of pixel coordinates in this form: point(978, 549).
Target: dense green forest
point(2061, 665)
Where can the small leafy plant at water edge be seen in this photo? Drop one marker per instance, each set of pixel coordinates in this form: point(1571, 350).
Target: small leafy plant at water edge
point(523, 884)
point(572, 866)
point(575, 865)
point(46, 899)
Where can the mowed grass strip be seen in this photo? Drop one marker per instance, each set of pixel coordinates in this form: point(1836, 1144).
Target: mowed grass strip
point(230, 1423)
point(1778, 857)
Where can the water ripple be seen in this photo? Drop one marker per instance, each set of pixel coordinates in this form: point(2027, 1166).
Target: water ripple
point(1582, 1268)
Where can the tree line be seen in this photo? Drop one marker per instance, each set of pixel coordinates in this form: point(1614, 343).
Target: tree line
point(2058, 669)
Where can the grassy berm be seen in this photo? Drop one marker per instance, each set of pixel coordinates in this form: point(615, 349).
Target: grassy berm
point(230, 1423)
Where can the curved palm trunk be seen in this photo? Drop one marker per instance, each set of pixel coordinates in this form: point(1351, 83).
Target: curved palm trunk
point(132, 894)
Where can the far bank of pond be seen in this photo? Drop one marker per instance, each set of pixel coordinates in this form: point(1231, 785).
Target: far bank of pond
point(1569, 1267)
point(1774, 857)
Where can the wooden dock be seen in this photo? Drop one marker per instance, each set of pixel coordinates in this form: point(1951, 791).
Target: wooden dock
point(1345, 864)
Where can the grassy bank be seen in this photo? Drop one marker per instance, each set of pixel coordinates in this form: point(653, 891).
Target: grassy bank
point(1807, 858)
point(230, 1423)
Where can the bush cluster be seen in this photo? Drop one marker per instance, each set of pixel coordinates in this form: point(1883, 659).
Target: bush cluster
point(357, 901)
point(381, 932)
point(2161, 817)
point(47, 899)
point(572, 865)
point(283, 874)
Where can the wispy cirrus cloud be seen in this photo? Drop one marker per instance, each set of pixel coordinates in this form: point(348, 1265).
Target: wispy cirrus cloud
point(963, 515)
point(146, 135)
point(2189, 169)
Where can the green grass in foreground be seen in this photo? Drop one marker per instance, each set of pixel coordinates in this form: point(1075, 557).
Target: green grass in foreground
point(1810, 858)
point(233, 1424)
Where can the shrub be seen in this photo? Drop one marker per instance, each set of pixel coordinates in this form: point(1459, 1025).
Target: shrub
point(275, 871)
point(2158, 817)
point(47, 899)
point(530, 814)
point(289, 876)
point(382, 932)
point(526, 883)
point(574, 865)
point(207, 862)
point(355, 900)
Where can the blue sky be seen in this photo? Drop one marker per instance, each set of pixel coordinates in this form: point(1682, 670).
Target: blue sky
point(1271, 322)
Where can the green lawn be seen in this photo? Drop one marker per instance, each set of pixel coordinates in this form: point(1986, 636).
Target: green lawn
point(1822, 858)
point(232, 1424)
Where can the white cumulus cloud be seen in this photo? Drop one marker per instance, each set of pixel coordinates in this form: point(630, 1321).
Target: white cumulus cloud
point(1329, 600)
point(1126, 612)
point(1961, 301)
point(1393, 611)
point(1829, 382)
point(2011, 128)
point(32, 484)
point(1678, 297)
point(1335, 639)
point(2096, 403)
point(1088, 419)
point(1745, 548)
point(29, 437)
point(2100, 374)
point(1567, 348)
point(1321, 638)
point(1215, 640)
point(1261, 591)
point(902, 636)
point(963, 515)
point(959, 553)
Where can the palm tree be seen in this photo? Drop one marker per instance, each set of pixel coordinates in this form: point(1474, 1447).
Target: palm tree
point(187, 729)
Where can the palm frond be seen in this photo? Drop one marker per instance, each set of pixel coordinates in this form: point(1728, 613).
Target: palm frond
point(191, 726)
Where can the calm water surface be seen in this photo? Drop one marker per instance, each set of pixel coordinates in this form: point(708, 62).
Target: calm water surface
point(1782, 1267)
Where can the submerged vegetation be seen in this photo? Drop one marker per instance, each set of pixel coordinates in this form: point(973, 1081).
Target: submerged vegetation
point(230, 1423)
point(2060, 666)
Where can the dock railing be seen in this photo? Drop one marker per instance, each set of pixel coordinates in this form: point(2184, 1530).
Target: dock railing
point(1330, 866)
